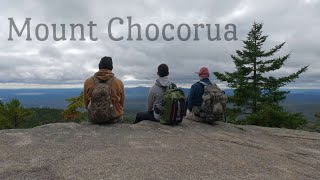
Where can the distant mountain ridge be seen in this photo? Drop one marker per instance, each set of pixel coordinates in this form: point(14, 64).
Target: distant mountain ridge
point(299, 100)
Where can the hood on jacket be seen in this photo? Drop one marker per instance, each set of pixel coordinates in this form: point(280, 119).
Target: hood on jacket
point(206, 81)
point(163, 81)
point(104, 74)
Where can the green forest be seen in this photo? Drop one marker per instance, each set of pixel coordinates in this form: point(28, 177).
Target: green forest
point(14, 116)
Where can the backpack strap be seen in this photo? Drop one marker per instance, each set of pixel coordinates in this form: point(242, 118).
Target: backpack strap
point(109, 82)
point(95, 80)
point(171, 86)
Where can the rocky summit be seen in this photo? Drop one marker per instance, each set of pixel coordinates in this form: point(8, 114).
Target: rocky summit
point(152, 151)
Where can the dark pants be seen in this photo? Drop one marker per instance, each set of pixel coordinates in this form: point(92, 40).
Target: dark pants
point(141, 116)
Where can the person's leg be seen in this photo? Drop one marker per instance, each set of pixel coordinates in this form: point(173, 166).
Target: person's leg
point(191, 115)
point(119, 120)
point(141, 116)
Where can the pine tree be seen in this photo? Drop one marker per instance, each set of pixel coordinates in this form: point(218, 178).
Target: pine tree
point(14, 114)
point(253, 87)
point(74, 111)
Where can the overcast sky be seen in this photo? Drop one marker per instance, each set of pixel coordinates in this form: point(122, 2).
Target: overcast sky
point(68, 64)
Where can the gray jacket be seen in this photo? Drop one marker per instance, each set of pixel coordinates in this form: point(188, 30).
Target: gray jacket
point(156, 95)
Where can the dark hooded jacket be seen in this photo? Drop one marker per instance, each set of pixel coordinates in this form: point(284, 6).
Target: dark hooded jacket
point(196, 92)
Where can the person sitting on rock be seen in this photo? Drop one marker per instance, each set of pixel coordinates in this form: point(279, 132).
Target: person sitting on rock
point(156, 96)
point(104, 95)
point(206, 102)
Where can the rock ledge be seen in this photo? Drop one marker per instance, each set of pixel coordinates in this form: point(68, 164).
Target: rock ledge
point(152, 151)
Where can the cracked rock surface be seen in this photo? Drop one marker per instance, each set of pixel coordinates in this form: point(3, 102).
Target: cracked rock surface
point(152, 151)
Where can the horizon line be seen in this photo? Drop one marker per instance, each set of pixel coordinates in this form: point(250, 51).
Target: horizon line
point(4, 86)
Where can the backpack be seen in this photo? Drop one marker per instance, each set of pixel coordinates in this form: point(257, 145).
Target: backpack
point(174, 106)
point(101, 109)
point(214, 104)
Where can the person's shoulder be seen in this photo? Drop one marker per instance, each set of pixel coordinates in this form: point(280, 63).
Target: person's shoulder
point(117, 81)
point(155, 86)
point(197, 84)
point(88, 80)
point(209, 81)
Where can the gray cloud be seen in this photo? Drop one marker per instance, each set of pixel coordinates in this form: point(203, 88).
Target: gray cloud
point(70, 63)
